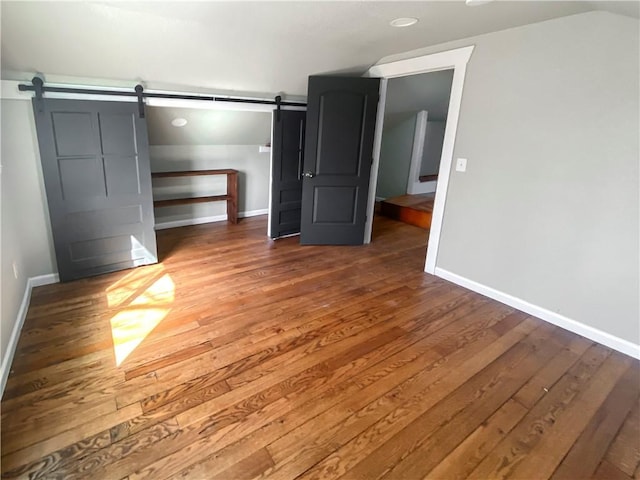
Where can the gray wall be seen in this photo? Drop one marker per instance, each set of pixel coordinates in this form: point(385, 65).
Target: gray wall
point(548, 210)
point(406, 96)
point(395, 158)
point(253, 178)
point(26, 232)
point(208, 127)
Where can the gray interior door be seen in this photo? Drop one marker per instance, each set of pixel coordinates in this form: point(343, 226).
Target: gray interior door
point(286, 175)
point(95, 161)
point(341, 118)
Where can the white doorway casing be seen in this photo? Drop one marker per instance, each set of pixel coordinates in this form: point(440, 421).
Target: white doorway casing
point(453, 59)
point(414, 185)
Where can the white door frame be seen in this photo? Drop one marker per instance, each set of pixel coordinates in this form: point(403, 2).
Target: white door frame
point(414, 185)
point(453, 59)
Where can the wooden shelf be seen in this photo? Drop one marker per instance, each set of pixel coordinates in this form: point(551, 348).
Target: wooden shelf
point(193, 173)
point(428, 178)
point(231, 196)
point(186, 200)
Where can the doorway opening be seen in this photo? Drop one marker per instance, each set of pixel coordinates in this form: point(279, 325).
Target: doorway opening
point(415, 113)
point(455, 60)
point(186, 139)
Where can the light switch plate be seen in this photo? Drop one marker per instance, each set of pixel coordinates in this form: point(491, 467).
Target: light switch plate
point(461, 165)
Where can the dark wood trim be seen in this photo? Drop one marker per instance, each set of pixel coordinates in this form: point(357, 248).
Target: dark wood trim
point(193, 173)
point(184, 201)
point(428, 178)
point(232, 197)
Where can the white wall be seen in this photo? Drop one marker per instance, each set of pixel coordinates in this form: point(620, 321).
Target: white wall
point(548, 210)
point(395, 158)
point(253, 179)
point(433, 140)
point(26, 232)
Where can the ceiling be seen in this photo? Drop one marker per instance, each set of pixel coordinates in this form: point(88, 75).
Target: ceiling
point(253, 47)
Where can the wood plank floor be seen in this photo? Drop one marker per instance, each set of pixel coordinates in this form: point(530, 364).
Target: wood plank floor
point(412, 209)
point(422, 201)
point(238, 357)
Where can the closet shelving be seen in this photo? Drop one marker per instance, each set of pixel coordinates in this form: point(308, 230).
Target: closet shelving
point(231, 197)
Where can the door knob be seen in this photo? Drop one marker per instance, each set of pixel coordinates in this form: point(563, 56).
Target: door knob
point(309, 174)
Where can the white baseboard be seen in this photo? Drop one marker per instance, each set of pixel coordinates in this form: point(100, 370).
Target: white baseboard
point(7, 357)
point(200, 220)
point(288, 236)
point(253, 213)
point(611, 341)
point(190, 221)
point(47, 279)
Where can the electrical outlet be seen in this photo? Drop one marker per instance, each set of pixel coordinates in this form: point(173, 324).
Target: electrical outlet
point(15, 269)
point(461, 165)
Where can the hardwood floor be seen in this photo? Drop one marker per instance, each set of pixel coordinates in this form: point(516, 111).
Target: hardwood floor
point(412, 209)
point(423, 201)
point(238, 357)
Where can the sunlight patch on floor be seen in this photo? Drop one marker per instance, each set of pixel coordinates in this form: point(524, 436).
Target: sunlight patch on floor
point(131, 325)
point(132, 282)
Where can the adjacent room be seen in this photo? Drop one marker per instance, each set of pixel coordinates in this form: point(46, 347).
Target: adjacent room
point(415, 116)
point(320, 240)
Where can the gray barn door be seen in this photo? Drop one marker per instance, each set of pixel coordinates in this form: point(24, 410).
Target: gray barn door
point(95, 161)
point(286, 175)
point(341, 118)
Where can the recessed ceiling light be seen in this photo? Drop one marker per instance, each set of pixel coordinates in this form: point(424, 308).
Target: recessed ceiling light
point(473, 3)
point(179, 122)
point(403, 22)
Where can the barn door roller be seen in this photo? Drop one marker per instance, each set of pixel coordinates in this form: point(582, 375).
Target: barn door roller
point(278, 103)
point(139, 88)
point(39, 90)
